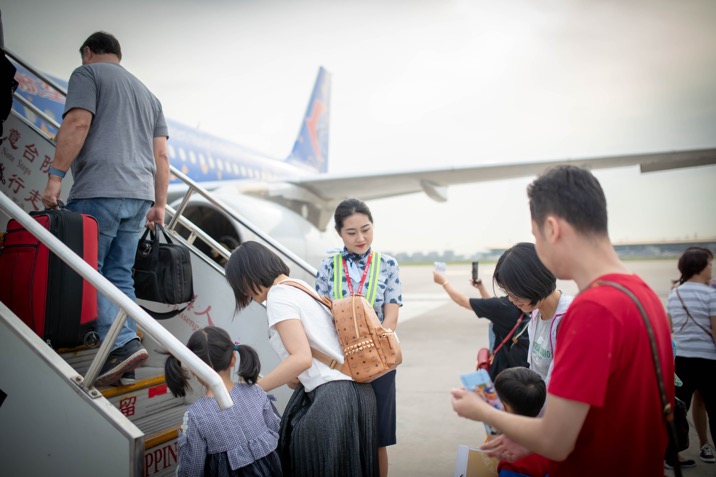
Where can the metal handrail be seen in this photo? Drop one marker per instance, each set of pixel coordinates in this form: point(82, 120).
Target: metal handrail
point(194, 187)
point(148, 324)
point(32, 70)
point(35, 110)
point(197, 233)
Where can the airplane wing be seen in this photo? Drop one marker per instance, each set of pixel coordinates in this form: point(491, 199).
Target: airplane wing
point(332, 188)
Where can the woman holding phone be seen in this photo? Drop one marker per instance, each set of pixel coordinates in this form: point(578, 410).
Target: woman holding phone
point(533, 289)
point(358, 269)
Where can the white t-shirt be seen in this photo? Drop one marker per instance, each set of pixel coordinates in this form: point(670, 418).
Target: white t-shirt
point(541, 355)
point(289, 303)
point(543, 338)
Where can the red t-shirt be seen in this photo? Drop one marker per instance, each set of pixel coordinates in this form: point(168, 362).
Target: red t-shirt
point(603, 358)
point(534, 465)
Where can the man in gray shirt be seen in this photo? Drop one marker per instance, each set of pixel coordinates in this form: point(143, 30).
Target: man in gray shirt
point(114, 137)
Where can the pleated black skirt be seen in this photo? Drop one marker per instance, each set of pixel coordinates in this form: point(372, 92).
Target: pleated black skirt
point(217, 465)
point(330, 431)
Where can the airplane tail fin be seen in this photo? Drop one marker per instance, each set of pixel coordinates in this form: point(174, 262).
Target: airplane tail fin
point(311, 146)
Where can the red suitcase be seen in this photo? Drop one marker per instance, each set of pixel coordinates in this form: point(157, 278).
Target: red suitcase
point(42, 290)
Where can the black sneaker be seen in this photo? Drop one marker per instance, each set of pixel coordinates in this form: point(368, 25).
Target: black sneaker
point(684, 464)
point(128, 378)
point(120, 361)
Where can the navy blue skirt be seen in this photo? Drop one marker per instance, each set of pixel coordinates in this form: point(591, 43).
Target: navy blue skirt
point(217, 465)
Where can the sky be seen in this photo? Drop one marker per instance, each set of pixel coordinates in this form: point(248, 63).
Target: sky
point(431, 83)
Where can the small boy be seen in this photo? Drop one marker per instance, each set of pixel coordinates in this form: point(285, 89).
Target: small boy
point(522, 391)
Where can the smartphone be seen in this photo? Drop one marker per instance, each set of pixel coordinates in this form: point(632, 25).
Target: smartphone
point(474, 272)
point(440, 266)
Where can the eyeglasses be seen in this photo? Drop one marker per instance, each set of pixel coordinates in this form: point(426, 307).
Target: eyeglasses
point(515, 298)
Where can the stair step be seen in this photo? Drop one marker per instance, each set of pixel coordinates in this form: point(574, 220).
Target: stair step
point(155, 423)
point(145, 398)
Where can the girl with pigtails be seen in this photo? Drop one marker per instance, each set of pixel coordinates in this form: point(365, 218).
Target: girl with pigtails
point(237, 442)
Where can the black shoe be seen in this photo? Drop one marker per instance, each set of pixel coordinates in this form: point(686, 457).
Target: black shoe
point(120, 361)
point(128, 378)
point(684, 464)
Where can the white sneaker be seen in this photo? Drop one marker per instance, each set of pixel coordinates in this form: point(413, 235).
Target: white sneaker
point(707, 453)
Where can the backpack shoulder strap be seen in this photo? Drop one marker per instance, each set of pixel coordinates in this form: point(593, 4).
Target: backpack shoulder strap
point(323, 300)
point(330, 362)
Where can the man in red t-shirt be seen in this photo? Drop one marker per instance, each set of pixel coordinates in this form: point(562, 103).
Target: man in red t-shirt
point(603, 411)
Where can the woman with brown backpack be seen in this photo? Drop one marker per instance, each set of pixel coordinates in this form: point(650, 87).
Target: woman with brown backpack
point(328, 427)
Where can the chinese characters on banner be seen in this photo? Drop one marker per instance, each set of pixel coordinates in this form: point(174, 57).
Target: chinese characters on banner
point(25, 157)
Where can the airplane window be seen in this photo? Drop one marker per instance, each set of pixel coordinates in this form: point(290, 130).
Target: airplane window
point(192, 157)
point(172, 152)
point(243, 171)
point(220, 164)
point(201, 160)
point(211, 162)
point(182, 154)
point(236, 169)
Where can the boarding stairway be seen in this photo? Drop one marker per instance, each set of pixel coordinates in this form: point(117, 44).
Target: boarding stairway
point(54, 420)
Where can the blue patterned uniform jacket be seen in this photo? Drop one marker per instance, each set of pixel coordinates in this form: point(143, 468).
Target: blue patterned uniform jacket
point(246, 432)
point(388, 284)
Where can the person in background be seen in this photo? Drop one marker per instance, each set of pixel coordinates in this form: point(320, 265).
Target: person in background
point(509, 323)
point(239, 441)
point(692, 310)
point(359, 269)
point(603, 363)
point(329, 425)
point(522, 392)
point(533, 289)
point(114, 136)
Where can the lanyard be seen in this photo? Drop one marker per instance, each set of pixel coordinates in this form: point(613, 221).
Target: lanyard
point(362, 280)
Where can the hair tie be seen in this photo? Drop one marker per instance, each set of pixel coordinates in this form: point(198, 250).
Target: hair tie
point(236, 345)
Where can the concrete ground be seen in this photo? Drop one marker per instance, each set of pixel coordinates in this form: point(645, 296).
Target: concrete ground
point(439, 341)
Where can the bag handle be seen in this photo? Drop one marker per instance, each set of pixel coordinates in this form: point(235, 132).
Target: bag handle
point(167, 314)
point(667, 410)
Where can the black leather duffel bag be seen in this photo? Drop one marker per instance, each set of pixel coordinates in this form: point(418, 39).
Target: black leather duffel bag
point(162, 273)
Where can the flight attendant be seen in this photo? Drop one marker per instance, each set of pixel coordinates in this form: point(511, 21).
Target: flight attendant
point(361, 270)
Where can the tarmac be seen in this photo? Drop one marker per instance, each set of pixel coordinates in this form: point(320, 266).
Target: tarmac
point(439, 341)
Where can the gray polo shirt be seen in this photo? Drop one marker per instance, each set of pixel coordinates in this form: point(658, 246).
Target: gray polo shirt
point(117, 159)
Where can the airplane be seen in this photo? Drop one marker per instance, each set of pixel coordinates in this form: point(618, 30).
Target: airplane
point(293, 198)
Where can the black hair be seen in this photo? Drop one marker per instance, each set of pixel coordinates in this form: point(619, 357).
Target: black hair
point(693, 261)
point(347, 208)
point(251, 266)
point(522, 389)
point(520, 273)
point(102, 43)
point(572, 194)
point(213, 346)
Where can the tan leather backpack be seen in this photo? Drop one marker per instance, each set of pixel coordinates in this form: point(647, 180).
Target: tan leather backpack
point(369, 350)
